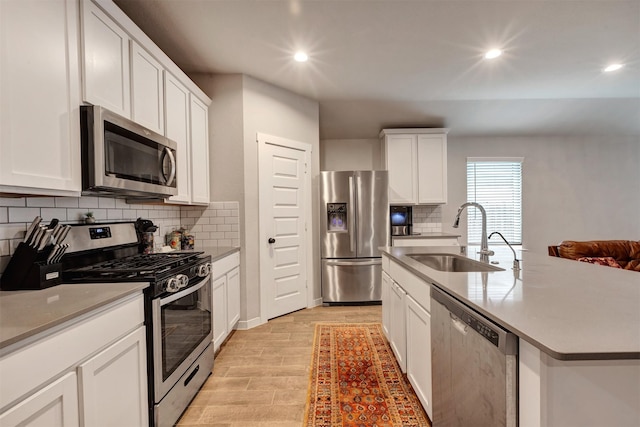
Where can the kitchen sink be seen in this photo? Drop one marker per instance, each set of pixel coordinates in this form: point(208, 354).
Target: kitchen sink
point(453, 263)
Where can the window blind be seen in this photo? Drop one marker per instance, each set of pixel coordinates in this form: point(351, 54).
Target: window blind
point(497, 185)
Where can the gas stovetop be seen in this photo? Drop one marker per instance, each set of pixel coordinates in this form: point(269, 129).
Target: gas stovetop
point(134, 267)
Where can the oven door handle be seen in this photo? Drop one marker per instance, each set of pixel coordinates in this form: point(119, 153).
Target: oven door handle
point(185, 292)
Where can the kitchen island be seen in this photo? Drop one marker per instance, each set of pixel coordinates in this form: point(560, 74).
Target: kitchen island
point(578, 327)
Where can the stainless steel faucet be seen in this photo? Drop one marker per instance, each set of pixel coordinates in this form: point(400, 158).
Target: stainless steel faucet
point(516, 261)
point(485, 253)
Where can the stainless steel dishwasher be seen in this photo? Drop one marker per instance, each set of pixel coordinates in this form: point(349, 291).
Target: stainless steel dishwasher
point(474, 367)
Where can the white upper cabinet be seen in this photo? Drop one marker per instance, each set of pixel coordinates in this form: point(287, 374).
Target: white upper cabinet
point(432, 169)
point(106, 72)
point(177, 129)
point(147, 89)
point(199, 152)
point(417, 163)
point(40, 97)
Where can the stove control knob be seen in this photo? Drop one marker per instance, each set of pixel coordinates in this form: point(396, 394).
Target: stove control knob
point(172, 285)
point(204, 269)
point(183, 280)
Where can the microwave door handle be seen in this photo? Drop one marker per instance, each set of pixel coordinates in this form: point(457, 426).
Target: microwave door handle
point(172, 174)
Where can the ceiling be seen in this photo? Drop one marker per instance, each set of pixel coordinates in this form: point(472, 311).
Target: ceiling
point(401, 63)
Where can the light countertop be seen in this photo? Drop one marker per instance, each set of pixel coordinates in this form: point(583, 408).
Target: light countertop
point(218, 252)
point(570, 310)
point(432, 235)
point(26, 313)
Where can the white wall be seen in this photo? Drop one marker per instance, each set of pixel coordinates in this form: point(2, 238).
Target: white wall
point(350, 154)
point(242, 107)
point(574, 188)
point(274, 111)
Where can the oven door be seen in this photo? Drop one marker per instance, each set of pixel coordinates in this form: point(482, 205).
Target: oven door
point(181, 332)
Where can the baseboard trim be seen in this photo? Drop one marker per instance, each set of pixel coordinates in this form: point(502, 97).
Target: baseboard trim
point(243, 325)
point(317, 302)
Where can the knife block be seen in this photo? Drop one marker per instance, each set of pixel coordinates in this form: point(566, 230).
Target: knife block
point(28, 270)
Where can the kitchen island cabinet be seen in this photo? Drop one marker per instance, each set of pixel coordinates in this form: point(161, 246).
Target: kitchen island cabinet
point(79, 357)
point(409, 326)
point(577, 364)
point(40, 102)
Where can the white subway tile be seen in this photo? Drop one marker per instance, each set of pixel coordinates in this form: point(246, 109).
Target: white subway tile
point(88, 202)
point(41, 202)
point(224, 227)
point(232, 220)
point(122, 204)
point(99, 214)
point(23, 214)
point(224, 242)
point(106, 202)
point(114, 214)
point(210, 213)
point(67, 202)
point(142, 213)
point(4, 214)
point(235, 243)
point(48, 214)
point(224, 212)
point(13, 201)
point(231, 205)
point(75, 214)
point(12, 231)
point(209, 228)
point(203, 220)
point(217, 220)
point(4, 248)
point(216, 205)
point(194, 214)
point(129, 214)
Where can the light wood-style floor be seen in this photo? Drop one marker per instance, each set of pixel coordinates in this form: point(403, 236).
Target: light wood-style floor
point(260, 376)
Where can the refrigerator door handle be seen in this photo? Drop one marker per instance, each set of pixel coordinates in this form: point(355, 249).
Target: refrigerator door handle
point(339, 263)
point(351, 219)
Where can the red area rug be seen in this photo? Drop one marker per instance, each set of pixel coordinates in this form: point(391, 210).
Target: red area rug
point(356, 382)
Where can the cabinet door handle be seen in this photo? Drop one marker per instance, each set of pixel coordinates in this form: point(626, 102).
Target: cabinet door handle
point(271, 240)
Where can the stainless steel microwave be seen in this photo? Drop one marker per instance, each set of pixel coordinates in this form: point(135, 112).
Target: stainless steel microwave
point(120, 158)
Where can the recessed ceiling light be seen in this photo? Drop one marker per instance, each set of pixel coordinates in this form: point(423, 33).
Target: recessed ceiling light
point(493, 53)
point(301, 57)
point(612, 67)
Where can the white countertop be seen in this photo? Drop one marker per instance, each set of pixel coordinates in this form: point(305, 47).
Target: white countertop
point(570, 310)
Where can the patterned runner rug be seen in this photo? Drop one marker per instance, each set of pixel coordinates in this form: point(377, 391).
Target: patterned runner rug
point(356, 381)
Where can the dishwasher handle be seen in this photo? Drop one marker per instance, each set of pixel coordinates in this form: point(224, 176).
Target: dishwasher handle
point(462, 327)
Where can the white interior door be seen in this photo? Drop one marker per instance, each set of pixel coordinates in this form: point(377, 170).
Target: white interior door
point(283, 215)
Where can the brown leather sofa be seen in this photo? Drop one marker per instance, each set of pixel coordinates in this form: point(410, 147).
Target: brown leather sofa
point(624, 253)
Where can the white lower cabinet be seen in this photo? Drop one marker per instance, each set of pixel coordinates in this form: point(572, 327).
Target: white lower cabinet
point(397, 325)
point(219, 295)
point(92, 372)
point(114, 384)
point(386, 303)
point(406, 321)
point(225, 297)
point(419, 352)
point(56, 405)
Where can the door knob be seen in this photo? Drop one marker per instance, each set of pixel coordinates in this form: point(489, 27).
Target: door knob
point(271, 240)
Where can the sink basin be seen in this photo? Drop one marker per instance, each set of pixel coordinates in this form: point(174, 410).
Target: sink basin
point(453, 263)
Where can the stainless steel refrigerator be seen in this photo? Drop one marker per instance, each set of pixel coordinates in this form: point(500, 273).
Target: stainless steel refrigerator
point(354, 223)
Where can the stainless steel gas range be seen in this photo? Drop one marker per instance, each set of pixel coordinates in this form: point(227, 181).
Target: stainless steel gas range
point(178, 314)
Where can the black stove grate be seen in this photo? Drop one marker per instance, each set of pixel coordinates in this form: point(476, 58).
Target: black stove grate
point(135, 266)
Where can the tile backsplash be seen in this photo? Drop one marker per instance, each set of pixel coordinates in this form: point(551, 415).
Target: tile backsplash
point(427, 219)
point(213, 225)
